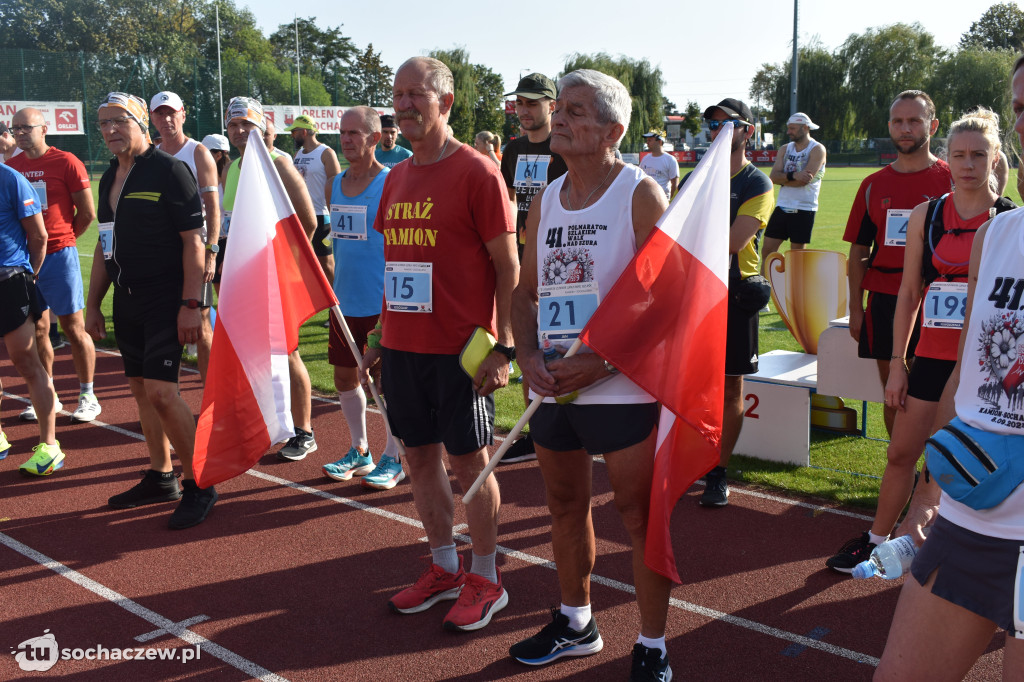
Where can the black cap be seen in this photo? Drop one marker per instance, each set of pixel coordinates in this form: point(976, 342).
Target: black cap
point(387, 121)
point(3, 128)
point(733, 108)
point(534, 86)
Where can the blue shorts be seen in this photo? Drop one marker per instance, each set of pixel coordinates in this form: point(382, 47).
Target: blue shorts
point(60, 280)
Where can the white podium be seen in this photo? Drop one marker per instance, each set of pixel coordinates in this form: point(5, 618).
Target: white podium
point(841, 372)
point(777, 408)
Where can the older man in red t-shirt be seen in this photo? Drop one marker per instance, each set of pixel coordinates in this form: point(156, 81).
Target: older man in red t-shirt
point(62, 184)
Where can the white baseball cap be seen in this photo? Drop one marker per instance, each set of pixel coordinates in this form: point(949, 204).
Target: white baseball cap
point(166, 99)
point(802, 119)
point(214, 142)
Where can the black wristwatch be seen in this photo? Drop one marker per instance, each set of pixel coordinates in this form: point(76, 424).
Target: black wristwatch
point(190, 303)
point(508, 351)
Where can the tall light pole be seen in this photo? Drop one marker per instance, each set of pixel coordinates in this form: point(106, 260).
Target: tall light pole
point(298, 68)
point(793, 72)
point(220, 76)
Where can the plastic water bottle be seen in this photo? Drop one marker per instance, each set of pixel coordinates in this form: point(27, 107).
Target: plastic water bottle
point(551, 354)
point(890, 560)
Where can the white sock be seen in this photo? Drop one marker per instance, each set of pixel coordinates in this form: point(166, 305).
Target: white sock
point(483, 566)
point(876, 539)
point(353, 406)
point(578, 616)
point(446, 557)
point(391, 449)
point(85, 388)
point(653, 643)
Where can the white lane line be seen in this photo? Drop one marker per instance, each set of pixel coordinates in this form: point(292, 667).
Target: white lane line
point(607, 582)
point(152, 617)
point(201, 618)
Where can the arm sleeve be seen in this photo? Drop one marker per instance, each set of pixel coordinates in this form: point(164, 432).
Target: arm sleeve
point(859, 221)
point(28, 200)
point(492, 214)
point(75, 176)
point(182, 198)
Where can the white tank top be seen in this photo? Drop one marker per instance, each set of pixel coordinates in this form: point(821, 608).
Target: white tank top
point(803, 198)
point(311, 168)
point(580, 255)
point(990, 394)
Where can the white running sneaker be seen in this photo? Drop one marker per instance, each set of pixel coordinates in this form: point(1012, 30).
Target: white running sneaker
point(29, 413)
point(88, 408)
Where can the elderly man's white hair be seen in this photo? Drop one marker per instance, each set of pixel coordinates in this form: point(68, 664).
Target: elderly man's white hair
point(614, 105)
point(439, 76)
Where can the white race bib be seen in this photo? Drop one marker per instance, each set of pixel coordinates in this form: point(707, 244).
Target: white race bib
point(408, 287)
point(896, 221)
point(107, 240)
point(563, 310)
point(945, 304)
point(40, 187)
point(532, 170)
point(225, 224)
point(348, 222)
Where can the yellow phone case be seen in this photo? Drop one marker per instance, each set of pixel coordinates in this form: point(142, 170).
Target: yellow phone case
point(480, 344)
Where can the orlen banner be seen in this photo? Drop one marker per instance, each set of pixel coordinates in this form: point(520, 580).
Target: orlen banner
point(62, 118)
point(328, 119)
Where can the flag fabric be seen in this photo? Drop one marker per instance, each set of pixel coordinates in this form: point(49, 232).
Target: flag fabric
point(271, 283)
point(663, 324)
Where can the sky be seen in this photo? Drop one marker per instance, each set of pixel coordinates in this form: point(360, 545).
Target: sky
point(704, 55)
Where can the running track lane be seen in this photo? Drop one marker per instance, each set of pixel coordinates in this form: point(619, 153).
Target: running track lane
point(290, 575)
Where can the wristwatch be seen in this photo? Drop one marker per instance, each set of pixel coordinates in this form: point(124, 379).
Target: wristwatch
point(213, 248)
point(191, 303)
point(610, 368)
point(508, 351)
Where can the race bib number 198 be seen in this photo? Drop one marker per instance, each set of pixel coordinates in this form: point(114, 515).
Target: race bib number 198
point(408, 287)
point(945, 305)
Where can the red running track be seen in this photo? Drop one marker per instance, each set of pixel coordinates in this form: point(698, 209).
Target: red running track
point(290, 575)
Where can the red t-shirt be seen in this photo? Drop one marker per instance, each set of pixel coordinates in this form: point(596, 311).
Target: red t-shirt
point(443, 215)
point(951, 257)
point(55, 176)
point(880, 192)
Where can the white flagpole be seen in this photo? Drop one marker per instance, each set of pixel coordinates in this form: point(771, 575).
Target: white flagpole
point(220, 76)
point(510, 438)
point(347, 333)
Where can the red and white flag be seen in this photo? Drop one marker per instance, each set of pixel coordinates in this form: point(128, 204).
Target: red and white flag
point(271, 284)
point(663, 325)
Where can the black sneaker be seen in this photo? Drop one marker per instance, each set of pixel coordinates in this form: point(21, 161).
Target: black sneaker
point(649, 665)
point(297, 447)
point(851, 554)
point(557, 639)
point(154, 487)
point(716, 492)
point(195, 504)
point(521, 451)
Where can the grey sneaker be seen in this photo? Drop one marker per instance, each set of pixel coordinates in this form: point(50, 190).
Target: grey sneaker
point(297, 447)
point(716, 492)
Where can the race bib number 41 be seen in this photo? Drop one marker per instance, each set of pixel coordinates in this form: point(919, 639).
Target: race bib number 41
point(896, 220)
point(348, 222)
point(408, 287)
point(945, 305)
point(564, 309)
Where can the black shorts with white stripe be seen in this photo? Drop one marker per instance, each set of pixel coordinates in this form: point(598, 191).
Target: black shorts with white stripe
point(431, 400)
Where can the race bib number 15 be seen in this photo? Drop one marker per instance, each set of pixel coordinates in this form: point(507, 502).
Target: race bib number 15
point(107, 240)
point(408, 287)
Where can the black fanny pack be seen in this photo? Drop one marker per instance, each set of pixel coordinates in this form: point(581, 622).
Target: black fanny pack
point(751, 294)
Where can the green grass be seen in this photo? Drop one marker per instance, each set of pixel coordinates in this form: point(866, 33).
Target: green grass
point(844, 469)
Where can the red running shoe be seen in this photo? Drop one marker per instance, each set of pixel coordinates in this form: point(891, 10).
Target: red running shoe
point(433, 586)
point(480, 599)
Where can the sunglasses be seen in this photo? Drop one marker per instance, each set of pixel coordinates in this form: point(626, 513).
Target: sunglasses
point(715, 125)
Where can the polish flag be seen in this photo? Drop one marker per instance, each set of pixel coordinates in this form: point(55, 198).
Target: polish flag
point(271, 284)
point(663, 325)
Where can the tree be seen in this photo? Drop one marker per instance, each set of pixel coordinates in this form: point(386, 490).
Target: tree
point(643, 82)
point(763, 87)
point(1001, 27)
point(326, 53)
point(489, 112)
point(967, 79)
point(370, 79)
point(669, 107)
point(692, 122)
point(882, 63)
point(823, 94)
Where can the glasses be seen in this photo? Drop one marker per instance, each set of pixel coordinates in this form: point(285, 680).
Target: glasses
point(119, 122)
point(24, 129)
point(715, 125)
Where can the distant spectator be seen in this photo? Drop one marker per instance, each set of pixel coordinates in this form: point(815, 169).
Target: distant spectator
point(489, 144)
